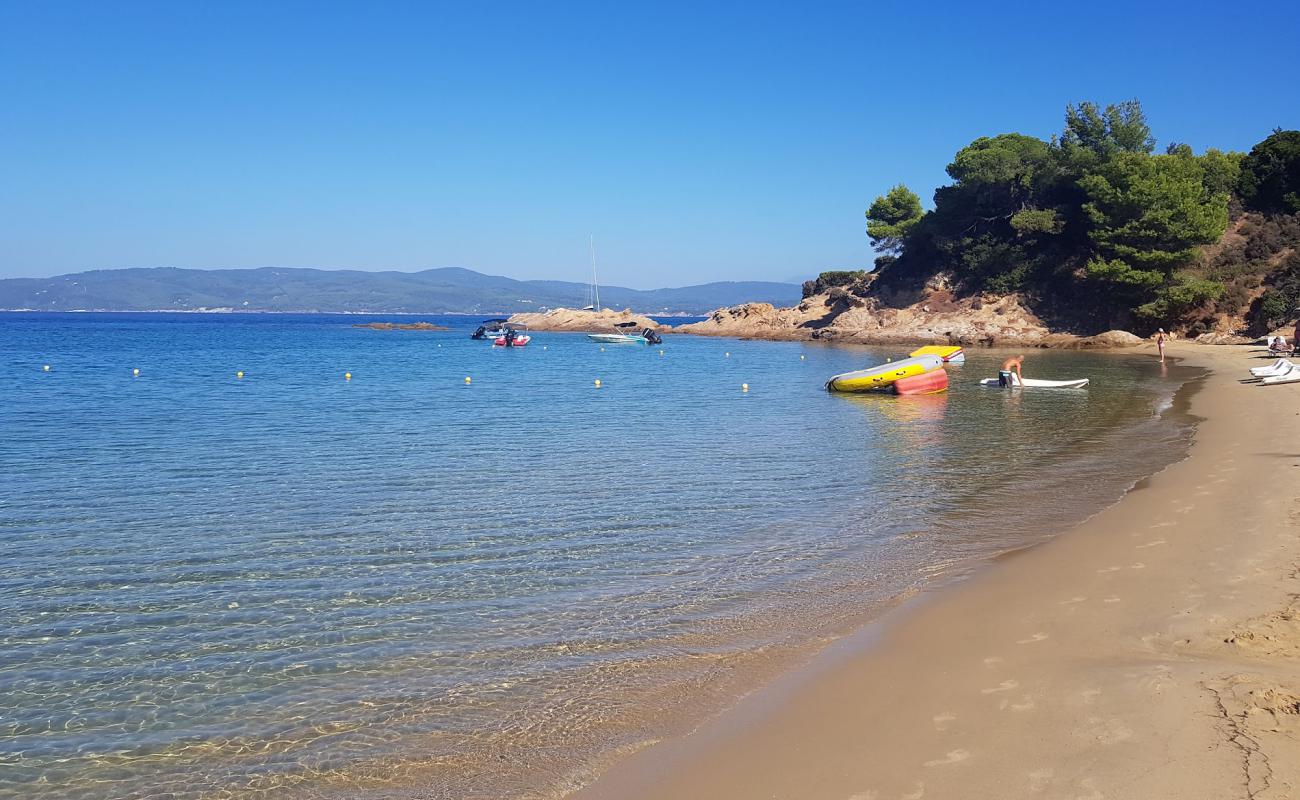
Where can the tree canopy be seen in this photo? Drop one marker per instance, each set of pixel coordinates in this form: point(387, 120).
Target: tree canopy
point(1270, 174)
point(891, 217)
point(1093, 212)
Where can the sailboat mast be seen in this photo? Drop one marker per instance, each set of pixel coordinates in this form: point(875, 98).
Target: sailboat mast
point(595, 285)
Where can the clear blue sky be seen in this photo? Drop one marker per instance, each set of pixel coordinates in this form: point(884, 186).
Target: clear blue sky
point(696, 141)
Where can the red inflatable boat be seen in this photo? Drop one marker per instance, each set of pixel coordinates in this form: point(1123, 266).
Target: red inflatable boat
point(931, 382)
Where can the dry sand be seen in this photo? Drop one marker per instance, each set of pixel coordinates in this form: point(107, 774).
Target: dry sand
point(1153, 652)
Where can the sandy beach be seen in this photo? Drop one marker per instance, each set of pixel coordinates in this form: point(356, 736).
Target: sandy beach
point(1153, 652)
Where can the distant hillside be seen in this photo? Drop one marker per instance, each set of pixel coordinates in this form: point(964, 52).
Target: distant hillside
point(448, 290)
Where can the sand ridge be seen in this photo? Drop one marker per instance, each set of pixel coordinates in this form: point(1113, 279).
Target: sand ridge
point(1153, 652)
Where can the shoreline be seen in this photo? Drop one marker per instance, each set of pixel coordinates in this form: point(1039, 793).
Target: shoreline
point(1148, 652)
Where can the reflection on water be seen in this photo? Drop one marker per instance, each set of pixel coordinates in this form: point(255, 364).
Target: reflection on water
point(293, 585)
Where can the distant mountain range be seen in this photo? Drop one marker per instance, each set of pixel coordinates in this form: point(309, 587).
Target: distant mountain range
point(447, 290)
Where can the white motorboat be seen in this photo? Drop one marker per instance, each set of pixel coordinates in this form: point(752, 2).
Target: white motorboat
point(490, 329)
point(623, 334)
point(1034, 383)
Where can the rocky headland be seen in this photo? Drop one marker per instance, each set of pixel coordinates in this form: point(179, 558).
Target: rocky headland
point(857, 310)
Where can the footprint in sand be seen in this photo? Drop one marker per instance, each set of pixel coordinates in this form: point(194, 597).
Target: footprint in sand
point(1090, 695)
point(1005, 686)
point(915, 794)
point(1111, 599)
point(1037, 637)
point(1137, 565)
point(1153, 543)
point(941, 721)
point(1039, 779)
point(870, 794)
point(1073, 600)
point(1164, 525)
point(993, 661)
point(1104, 570)
point(1026, 704)
point(1111, 731)
point(953, 757)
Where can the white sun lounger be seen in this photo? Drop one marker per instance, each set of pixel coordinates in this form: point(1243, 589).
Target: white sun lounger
point(1279, 367)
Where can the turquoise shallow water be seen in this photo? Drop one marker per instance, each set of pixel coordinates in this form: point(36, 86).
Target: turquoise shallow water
point(293, 585)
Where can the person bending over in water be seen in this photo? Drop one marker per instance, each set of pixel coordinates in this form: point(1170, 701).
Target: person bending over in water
point(1009, 366)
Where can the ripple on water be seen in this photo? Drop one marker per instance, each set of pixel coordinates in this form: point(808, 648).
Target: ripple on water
point(296, 585)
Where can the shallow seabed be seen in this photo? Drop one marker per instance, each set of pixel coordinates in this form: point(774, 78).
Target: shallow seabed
point(295, 585)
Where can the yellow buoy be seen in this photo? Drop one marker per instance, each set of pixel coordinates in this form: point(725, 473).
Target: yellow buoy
point(135, 373)
point(744, 387)
point(239, 374)
point(347, 376)
point(467, 379)
point(598, 383)
point(47, 367)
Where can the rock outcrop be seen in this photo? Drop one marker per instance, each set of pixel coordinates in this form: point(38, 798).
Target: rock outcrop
point(401, 326)
point(848, 315)
point(568, 319)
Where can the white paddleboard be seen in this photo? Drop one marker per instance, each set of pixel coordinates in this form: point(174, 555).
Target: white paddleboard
point(1035, 383)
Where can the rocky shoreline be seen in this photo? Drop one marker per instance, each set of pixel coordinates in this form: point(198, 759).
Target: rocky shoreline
point(836, 315)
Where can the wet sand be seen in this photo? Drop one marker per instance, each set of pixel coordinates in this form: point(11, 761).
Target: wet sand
point(1153, 652)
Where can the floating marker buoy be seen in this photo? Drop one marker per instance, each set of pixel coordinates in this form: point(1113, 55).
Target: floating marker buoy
point(801, 358)
point(728, 355)
point(744, 387)
point(602, 349)
point(467, 379)
point(661, 352)
point(543, 347)
point(598, 383)
point(135, 373)
point(46, 368)
point(239, 374)
point(347, 376)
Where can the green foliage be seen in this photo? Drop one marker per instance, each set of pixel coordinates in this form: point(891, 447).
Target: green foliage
point(1222, 171)
point(1185, 294)
point(1037, 220)
point(841, 277)
point(1152, 212)
point(1117, 273)
point(1093, 135)
point(891, 217)
point(1270, 174)
point(1091, 221)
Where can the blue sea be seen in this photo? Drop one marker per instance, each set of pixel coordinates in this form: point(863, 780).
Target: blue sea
point(408, 584)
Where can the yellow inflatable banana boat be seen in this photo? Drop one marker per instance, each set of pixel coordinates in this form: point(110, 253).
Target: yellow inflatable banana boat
point(951, 354)
point(883, 376)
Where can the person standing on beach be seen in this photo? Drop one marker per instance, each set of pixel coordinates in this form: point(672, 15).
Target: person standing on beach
point(1009, 366)
point(1295, 340)
point(1160, 343)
